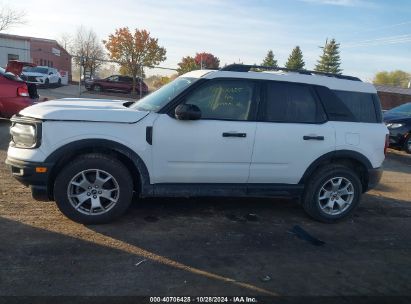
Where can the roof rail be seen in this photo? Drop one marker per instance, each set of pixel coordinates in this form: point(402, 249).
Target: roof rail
point(247, 68)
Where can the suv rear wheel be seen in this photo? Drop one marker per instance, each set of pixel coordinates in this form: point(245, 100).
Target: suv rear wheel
point(407, 144)
point(332, 193)
point(93, 189)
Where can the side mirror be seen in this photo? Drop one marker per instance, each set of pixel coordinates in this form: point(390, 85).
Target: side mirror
point(187, 112)
point(51, 73)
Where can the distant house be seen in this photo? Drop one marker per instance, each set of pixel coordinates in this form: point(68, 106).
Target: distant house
point(392, 96)
point(45, 52)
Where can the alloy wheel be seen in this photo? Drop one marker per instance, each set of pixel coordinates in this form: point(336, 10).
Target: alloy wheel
point(93, 192)
point(336, 195)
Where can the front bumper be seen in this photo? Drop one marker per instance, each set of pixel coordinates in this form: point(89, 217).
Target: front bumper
point(28, 174)
point(374, 177)
point(398, 137)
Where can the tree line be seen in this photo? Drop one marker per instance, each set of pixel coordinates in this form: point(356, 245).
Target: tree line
point(328, 62)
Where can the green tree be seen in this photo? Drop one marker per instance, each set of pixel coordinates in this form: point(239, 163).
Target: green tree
point(295, 60)
point(187, 64)
point(330, 60)
point(269, 60)
point(395, 78)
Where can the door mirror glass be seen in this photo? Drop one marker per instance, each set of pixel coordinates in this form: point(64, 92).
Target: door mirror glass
point(187, 112)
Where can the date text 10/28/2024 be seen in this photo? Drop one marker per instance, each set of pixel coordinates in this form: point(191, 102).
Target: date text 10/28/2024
point(240, 299)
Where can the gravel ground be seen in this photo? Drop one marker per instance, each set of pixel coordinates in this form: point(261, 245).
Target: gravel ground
point(208, 246)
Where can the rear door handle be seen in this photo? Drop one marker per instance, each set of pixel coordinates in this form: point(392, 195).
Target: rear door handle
point(313, 137)
point(234, 134)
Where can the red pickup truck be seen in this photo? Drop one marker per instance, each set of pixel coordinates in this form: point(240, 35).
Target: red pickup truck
point(15, 94)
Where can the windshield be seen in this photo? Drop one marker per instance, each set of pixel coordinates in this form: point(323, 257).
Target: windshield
point(402, 109)
point(36, 70)
point(158, 99)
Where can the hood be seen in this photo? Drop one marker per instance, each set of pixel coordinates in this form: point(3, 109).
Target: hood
point(35, 74)
point(390, 117)
point(82, 109)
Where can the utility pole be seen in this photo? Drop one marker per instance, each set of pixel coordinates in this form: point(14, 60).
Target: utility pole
point(79, 80)
point(201, 61)
point(141, 80)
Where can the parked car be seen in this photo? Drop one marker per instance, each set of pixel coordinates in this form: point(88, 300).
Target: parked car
point(15, 94)
point(42, 75)
point(116, 83)
point(233, 132)
point(398, 121)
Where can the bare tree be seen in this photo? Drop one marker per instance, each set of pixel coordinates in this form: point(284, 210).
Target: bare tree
point(66, 41)
point(10, 17)
point(88, 50)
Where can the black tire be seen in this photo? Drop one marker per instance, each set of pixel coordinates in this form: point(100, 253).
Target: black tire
point(90, 162)
point(59, 82)
point(407, 144)
point(311, 202)
point(97, 88)
point(46, 83)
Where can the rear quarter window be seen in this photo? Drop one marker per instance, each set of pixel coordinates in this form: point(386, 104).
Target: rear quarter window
point(363, 106)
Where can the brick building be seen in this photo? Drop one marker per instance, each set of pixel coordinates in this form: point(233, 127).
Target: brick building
point(45, 52)
point(392, 96)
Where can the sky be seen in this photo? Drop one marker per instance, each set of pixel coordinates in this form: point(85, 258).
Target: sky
point(375, 35)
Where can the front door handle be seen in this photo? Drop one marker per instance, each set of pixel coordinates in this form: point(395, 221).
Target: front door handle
point(234, 134)
point(313, 137)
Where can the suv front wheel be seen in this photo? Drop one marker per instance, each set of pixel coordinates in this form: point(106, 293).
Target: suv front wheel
point(93, 189)
point(332, 193)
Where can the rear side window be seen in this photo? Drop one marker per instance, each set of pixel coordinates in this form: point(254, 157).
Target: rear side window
point(291, 102)
point(361, 105)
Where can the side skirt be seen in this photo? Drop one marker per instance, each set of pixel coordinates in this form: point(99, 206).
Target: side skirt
point(227, 190)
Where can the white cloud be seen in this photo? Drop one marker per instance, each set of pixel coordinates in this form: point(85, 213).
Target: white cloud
point(352, 3)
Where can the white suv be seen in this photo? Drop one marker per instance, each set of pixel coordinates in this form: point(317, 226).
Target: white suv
point(233, 132)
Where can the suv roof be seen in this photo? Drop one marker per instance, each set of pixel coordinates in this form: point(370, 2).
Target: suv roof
point(332, 81)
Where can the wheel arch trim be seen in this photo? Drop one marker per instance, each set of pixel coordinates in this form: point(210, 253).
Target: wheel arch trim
point(74, 149)
point(332, 156)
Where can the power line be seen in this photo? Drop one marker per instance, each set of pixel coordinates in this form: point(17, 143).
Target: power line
point(383, 27)
point(397, 39)
point(86, 57)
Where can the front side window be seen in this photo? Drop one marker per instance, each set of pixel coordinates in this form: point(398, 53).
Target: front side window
point(291, 102)
point(224, 99)
point(113, 78)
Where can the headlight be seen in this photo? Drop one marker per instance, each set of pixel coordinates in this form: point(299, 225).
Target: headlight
point(24, 135)
point(394, 125)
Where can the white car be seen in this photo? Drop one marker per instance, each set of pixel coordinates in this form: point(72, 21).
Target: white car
point(42, 75)
point(233, 132)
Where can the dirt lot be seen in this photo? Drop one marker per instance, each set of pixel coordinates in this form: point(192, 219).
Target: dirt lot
point(208, 246)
